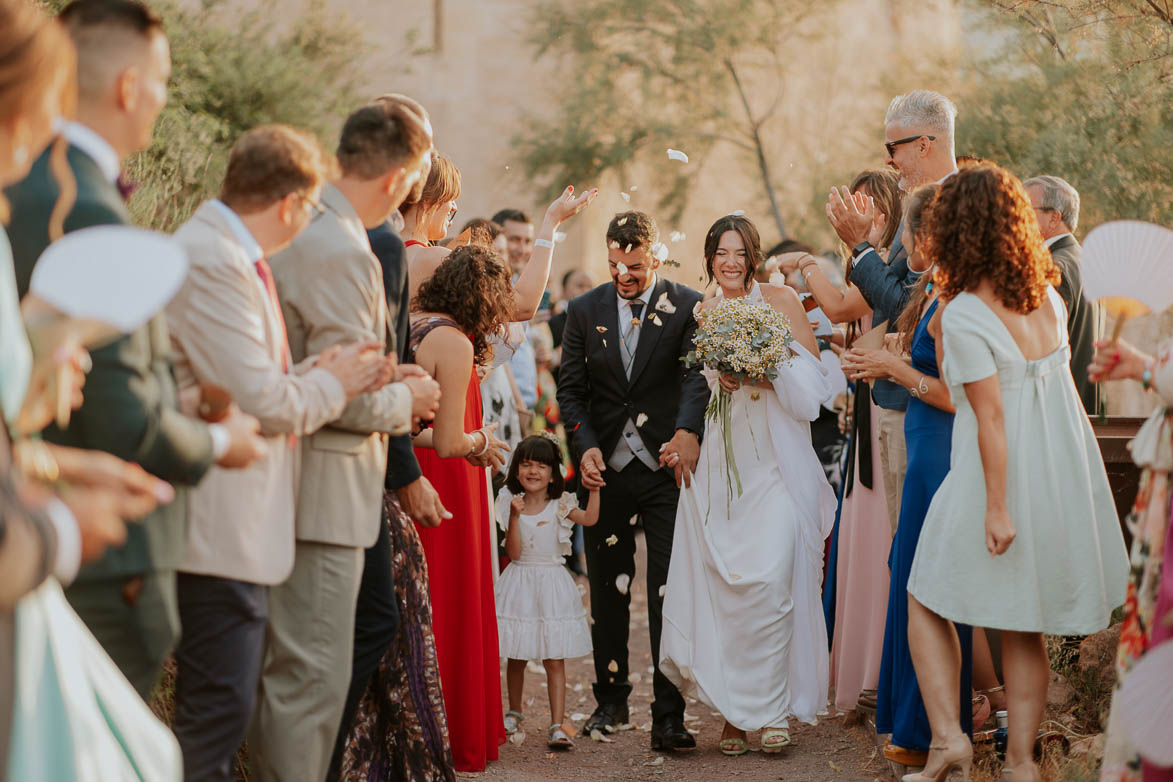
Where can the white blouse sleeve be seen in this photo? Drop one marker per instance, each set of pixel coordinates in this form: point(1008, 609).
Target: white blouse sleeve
point(501, 509)
point(803, 384)
point(566, 504)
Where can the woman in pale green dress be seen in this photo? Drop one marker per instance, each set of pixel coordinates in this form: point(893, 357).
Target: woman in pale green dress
point(1022, 535)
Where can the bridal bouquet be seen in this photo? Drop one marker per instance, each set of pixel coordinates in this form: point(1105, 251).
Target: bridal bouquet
point(743, 340)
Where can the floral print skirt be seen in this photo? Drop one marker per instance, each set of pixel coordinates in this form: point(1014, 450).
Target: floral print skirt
point(400, 731)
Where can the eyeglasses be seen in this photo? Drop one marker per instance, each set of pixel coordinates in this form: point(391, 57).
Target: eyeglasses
point(316, 206)
point(891, 145)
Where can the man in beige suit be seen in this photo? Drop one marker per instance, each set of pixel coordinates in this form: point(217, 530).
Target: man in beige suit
point(331, 291)
point(227, 329)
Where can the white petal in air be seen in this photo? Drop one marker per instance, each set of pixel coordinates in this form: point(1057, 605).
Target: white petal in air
point(622, 222)
point(626, 198)
point(622, 581)
point(737, 212)
point(676, 154)
point(627, 249)
point(614, 245)
point(660, 251)
point(559, 236)
point(622, 267)
point(676, 236)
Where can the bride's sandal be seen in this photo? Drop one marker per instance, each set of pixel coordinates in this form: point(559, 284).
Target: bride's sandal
point(733, 746)
point(774, 739)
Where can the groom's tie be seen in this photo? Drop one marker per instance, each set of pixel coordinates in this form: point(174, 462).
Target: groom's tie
point(631, 335)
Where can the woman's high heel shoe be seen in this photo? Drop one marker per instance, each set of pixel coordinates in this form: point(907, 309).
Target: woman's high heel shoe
point(957, 755)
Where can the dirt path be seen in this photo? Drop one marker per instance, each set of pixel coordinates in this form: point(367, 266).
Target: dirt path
point(828, 751)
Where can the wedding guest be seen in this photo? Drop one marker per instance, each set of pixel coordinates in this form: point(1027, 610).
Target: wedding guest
point(919, 141)
point(1148, 608)
point(467, 299)
point(393, 643)
point(1045, 550)
point(1056, 207)
point(377, 611)
point(540, 615)
point(427, 219)
point(331, 291)
point(127, 598)
point(858, 573)
point(575, 283)
point(928, 427)
point(519, 243)
point(635, 415)
point(227, 328)
point(743, 630)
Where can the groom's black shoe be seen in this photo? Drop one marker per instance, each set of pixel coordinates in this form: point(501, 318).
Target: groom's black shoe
point(607, 717)
point(669, 734)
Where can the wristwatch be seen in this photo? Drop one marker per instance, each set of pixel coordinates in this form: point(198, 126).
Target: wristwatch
point(860, 248)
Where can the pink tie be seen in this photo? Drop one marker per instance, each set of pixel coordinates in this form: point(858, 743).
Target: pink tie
point(266, 275)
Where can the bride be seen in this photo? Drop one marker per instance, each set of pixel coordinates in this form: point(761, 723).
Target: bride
point(743, 623)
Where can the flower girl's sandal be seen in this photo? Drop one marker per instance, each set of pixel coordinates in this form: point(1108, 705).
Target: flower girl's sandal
point(557, 738)
point(513, 720)
point(733, 746)
point(774, 739)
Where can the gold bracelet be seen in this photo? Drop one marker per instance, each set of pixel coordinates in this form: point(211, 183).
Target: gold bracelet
point(34, 460)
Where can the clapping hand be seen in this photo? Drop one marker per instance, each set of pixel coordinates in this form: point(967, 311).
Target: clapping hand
point(358, 367)
point(852, 217)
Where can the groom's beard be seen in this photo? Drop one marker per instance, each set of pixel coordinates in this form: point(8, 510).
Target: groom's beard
point(631, 296)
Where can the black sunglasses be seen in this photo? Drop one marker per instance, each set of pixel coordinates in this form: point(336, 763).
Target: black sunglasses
point(891, 145)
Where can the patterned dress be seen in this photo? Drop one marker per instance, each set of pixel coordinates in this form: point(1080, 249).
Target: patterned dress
point(400, 731)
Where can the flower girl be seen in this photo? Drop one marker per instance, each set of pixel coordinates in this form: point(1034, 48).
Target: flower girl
point(540, 615)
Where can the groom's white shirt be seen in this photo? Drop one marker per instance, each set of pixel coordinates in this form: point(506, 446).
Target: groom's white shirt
point(630, 445)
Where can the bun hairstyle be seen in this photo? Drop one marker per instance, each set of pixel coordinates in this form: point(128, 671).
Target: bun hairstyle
point(537, 448)
point(749, 237)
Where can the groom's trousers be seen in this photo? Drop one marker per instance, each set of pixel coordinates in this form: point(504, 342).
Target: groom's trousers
point(634, 490)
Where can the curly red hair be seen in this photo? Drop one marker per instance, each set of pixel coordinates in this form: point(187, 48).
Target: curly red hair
point(981, 227)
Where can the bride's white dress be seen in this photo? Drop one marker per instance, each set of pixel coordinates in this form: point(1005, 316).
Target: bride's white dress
point(743, 621)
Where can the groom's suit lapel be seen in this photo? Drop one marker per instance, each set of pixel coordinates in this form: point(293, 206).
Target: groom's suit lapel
point(649, 332)
point(609, 319)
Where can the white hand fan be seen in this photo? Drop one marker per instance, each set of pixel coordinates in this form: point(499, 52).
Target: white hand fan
point(1129, 265)
point(1146, 704)
point(86, 289)
point(113, 274)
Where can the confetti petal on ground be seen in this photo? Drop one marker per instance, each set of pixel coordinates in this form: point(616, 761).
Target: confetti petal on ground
point(626, 198)
point(641, 419)
point(578, 716)
point(597, 735)
point(676, 154)
point(613, 667)
point(656, 761)
point(834, 766)
point(622, 221)
point(622, 581)
point(625, 727)
point(533, 667)
point(611, 541)
point(517, 738)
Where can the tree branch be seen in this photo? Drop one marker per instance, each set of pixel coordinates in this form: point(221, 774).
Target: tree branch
point(763, 164)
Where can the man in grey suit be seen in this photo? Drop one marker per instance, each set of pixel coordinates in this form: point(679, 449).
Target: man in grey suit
point(331, 289)
point(918, 140)
point(1056, 206)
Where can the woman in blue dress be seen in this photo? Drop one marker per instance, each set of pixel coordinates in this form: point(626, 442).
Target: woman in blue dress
point(928, 428)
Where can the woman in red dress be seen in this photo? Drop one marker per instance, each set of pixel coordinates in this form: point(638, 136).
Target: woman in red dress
point(467, 299)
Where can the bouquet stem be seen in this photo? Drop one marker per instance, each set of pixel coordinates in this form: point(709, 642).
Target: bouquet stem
point(719, 410)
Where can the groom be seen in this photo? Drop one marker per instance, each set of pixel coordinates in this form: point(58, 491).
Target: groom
point(635, 415)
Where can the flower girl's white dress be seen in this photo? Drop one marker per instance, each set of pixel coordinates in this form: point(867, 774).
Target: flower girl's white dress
point(540, 615)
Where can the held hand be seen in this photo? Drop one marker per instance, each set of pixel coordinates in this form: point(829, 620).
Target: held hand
point(687, 449)
point(591, 469)
point(245, 445)
point(568, 205)
point(1116, 361)
point(1000, 532)
point(358, 367)
point(135, 490)
point(516, 506)
point(425, 396)
point(98, 520)
point(421, 502)
point(729, 384)
point(494, 457)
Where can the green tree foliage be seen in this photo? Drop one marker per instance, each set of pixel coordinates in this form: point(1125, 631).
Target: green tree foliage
point(232, 71)
point(1082, 91)
point(646, 75)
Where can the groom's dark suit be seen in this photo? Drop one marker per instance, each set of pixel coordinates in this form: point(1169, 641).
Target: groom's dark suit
point(598, 399)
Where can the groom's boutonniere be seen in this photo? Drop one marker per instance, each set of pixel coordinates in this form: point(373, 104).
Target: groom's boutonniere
point(664, 304)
